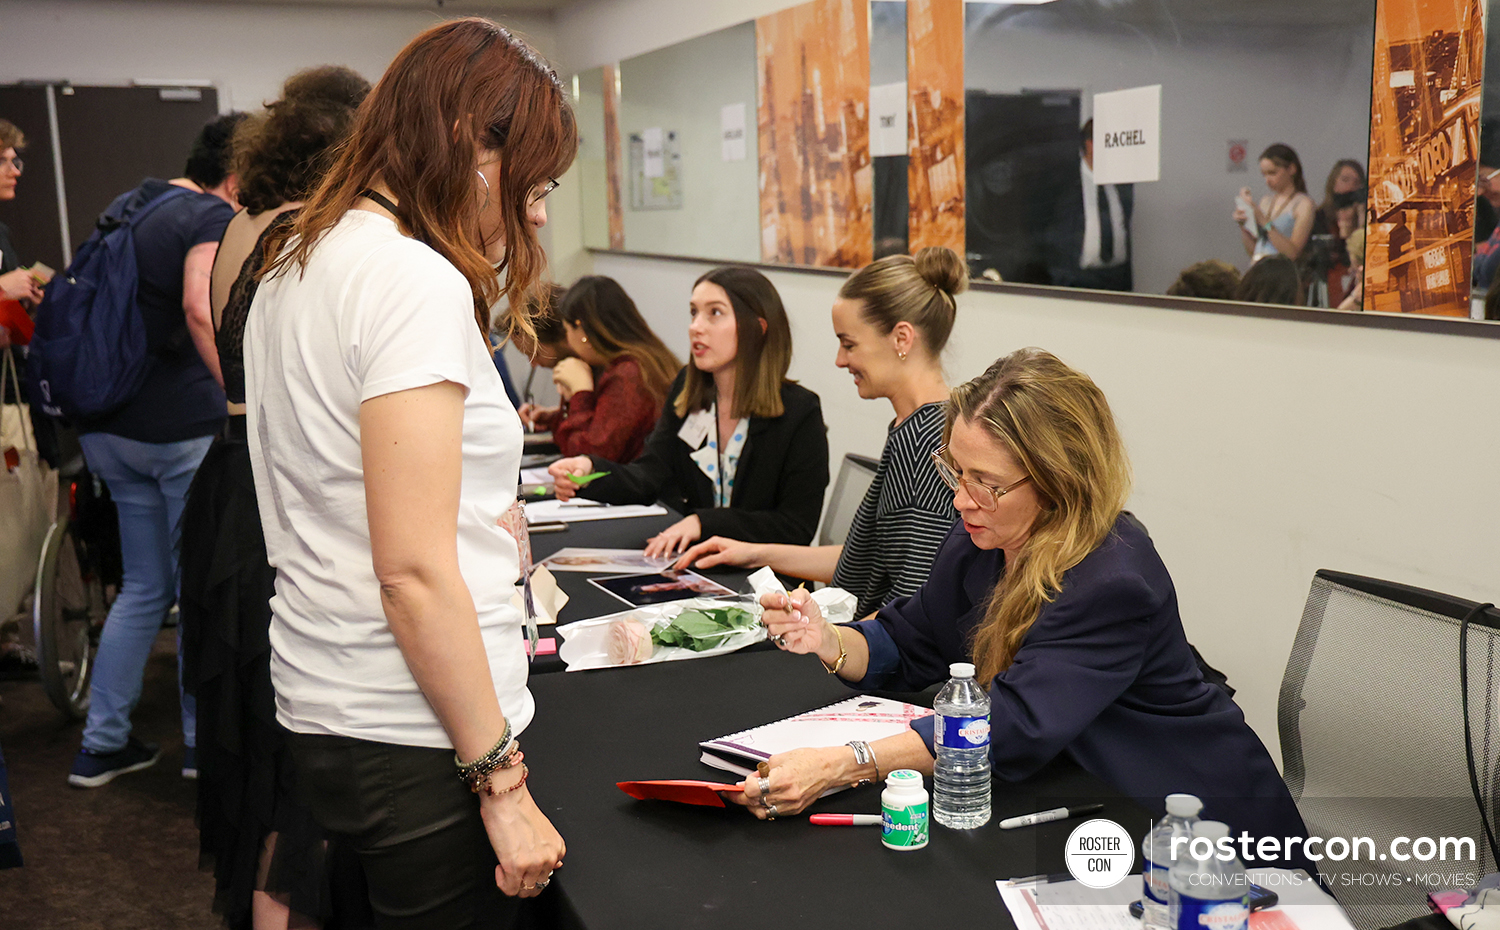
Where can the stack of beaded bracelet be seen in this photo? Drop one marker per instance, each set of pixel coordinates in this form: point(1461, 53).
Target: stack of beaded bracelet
point(504, 755)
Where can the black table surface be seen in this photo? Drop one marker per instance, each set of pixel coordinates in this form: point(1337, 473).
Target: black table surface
point(634, 864)
point(586, 600)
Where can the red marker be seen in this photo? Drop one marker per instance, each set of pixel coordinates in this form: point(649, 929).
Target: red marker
point(845, 820)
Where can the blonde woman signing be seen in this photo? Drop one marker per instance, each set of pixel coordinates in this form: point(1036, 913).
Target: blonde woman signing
point(1063, 605)
point(892, 319)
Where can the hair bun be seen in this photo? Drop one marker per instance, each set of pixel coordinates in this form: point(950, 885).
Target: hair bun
point(941, 267)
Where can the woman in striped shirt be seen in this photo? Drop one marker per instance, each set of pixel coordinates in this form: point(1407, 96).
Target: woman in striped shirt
point(892, 318)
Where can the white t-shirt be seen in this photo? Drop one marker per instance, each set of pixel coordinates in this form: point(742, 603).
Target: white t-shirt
point(374, 313)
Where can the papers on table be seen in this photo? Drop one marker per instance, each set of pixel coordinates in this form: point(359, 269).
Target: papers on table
point(603, 561)
point(578, 510)
point(1065, 905)
point(865, 718)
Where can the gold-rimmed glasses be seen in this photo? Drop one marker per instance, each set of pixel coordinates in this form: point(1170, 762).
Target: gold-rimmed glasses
point(988, 498)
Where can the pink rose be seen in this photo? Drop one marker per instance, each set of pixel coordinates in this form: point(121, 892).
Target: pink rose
point(629, 642)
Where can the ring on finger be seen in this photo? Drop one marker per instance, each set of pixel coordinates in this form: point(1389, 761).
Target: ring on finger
point(770, 811)
point(765, 788)
point(543, 883)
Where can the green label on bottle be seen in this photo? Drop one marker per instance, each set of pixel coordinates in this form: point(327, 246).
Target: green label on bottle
point(904, 827)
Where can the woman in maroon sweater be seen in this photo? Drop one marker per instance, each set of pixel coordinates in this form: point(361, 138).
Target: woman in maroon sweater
point(613, 391)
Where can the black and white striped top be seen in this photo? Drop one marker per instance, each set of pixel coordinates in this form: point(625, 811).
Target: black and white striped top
point(902, 519)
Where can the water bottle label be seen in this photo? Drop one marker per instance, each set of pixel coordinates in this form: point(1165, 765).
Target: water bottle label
point(1200, 914)
point(904, 827)
point(963, 732)
point(1156, 882)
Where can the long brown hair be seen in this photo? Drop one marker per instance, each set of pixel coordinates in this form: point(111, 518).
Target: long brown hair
point(457, 87)
point(615, 328)
point(761, 359)
point(1059, 427)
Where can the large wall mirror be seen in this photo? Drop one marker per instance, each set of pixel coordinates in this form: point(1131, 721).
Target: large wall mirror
point(1307, 154)
point(1283, 77)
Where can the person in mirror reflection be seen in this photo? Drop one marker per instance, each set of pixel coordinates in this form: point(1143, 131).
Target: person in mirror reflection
point(386, 458)
point(1487, 243)
point(613, 387)
point(1063, 605)
point(1339, 215)
point(1211, 279)
point(1087, 239)
point(1272, 280)
point(1355, 298)
point(738, 448)
point(892, 319)
point(545, 346)
point(1284, 216)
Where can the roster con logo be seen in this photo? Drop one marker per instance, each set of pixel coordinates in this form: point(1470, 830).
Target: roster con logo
point(1099, 854)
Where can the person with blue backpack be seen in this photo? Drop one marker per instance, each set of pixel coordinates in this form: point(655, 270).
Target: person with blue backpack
point(125, 350)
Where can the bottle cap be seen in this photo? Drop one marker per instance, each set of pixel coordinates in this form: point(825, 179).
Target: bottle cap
point(961, 670)
point(904, 778)
point(1211, 829)
point(1183, 805)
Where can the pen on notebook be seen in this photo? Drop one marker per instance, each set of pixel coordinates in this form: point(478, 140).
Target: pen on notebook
point(1057, 813)
point(845, 820)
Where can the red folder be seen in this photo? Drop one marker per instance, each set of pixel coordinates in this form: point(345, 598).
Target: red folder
point(683, 791)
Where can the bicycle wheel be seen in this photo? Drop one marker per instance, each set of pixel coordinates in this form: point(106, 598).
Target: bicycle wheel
point(68, 611)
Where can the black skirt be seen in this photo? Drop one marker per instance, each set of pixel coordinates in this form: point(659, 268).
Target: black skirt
point(246, 788)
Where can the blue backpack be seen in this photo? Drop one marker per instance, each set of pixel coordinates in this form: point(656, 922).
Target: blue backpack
point(88, 355)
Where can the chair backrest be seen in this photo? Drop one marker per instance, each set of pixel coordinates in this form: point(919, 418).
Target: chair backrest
point(1371, 718)
point(855, 476)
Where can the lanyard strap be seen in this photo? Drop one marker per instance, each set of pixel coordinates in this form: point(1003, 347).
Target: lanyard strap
point(381, 199)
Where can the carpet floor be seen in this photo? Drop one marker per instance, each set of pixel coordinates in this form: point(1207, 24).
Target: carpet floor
point(121, 857)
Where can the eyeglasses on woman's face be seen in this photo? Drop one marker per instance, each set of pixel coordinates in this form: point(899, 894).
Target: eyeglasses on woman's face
point(13, 163)
point(987, 497)
point(540, 192)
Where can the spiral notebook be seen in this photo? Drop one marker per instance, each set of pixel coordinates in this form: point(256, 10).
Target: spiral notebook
point(862, 717)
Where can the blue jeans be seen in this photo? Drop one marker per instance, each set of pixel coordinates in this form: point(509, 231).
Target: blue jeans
point(149, 484)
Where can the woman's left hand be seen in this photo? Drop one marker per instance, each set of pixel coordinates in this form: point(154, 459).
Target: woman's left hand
point(675, 538)
point(572, 375)
point(796, 779)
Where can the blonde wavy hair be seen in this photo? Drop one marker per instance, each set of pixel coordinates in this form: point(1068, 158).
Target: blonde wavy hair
point(1057, 424)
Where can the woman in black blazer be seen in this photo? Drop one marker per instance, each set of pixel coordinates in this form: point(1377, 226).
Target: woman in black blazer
point(739, 449)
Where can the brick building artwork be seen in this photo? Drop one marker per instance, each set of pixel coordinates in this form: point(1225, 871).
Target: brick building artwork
point(935, 129)
point(1424, 132)
point(816, 175)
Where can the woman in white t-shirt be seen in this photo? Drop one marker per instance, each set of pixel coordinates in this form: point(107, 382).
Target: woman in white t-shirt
point(386, 457)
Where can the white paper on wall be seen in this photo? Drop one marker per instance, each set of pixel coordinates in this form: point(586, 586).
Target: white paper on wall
point(888, 119)
point(654, 160)
point(1127, 136)
point(732, 128)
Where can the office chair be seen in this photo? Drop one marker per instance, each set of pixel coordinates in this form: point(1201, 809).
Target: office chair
point(855, 476)
point(1372, 724)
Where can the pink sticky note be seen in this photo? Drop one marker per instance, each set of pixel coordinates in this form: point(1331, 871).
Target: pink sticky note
point(546, 647)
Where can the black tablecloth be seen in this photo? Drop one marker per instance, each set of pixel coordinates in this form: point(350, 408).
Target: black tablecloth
point(586, 600)
point(638, 864)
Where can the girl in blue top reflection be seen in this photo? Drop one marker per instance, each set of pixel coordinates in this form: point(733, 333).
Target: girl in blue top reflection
point(1063, 605)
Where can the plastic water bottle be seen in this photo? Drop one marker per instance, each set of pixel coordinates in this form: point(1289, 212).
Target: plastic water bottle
point(1213, 894)
point(1156, 858)
point(961, 779)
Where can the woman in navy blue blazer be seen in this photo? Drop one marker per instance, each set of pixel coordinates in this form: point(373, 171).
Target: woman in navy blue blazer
point(1061, 603)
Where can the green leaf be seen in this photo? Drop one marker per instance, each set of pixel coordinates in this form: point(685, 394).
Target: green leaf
point(702, 629)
